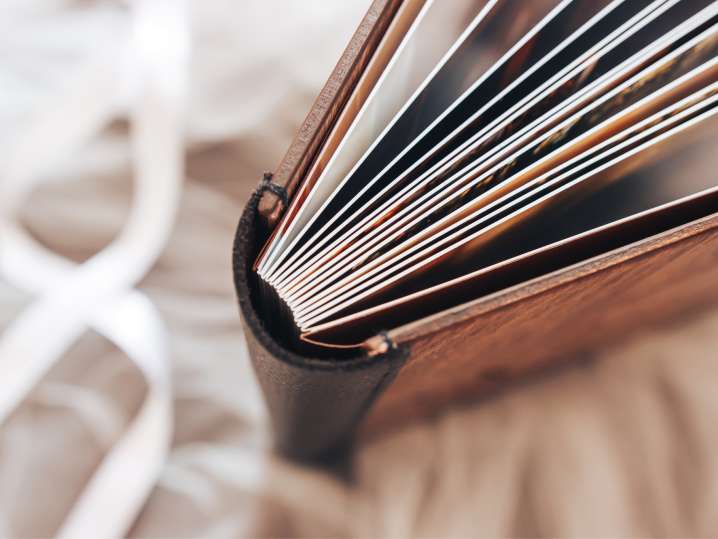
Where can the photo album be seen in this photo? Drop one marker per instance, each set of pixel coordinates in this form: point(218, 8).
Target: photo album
point(489, 185)
point(539, 125)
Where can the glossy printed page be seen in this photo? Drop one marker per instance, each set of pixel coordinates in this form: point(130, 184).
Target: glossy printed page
point(453, 247)
point(480, 50)
point(396, 215)
point(633, 200)
point(409, 51)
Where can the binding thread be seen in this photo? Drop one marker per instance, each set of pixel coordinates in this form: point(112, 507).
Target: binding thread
point(268, 185)
point(390, 344)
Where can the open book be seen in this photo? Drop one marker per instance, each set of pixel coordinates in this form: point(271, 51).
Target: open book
point(488, 142)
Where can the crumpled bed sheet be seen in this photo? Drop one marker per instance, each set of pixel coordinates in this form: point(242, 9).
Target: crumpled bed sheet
point(619, 443)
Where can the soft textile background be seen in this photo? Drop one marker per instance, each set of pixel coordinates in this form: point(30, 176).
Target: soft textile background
point(620, 444)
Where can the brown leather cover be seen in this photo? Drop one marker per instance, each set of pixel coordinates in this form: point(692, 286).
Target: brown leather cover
point(318, 404)
point(314, 403)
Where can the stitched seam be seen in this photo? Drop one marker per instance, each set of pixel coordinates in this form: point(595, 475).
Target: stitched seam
point(389, 374)
point(390, 344)
point(268, 185)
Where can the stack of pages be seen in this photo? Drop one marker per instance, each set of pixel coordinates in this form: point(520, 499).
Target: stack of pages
point(492, 143)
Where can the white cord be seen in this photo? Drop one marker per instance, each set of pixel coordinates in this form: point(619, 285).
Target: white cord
point(99, 293)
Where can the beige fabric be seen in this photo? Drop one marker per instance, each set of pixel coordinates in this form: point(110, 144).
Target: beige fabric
point(622, 444)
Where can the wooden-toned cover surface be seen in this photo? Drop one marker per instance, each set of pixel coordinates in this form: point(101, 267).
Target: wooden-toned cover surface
point(477, 346)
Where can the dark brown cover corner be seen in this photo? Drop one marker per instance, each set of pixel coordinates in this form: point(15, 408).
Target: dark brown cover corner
point(314, 404)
